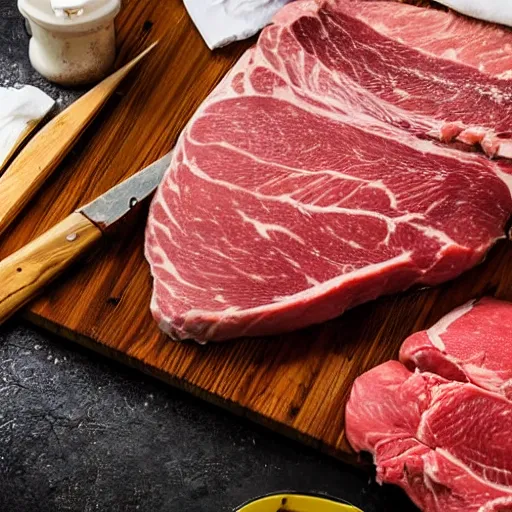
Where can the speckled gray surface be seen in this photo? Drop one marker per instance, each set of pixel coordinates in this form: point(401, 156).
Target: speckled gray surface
point(15, 68)
point(82, 433)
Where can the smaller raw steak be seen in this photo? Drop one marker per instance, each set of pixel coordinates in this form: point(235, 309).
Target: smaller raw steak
point(446, 442)
point(473, 343)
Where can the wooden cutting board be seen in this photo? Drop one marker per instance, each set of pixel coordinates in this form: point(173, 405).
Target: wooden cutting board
point(298, 383)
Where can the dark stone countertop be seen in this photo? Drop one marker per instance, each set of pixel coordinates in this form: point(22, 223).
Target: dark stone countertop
point(81, 433)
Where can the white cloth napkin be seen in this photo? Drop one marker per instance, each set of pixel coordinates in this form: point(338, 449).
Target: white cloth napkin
point(496, 11)
point(221, 22)
point(20, 111)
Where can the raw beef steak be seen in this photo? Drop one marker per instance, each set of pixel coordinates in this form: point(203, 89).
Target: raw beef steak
point(447, 444)
point(446, 441)
point(339, 160)
point(471, 344)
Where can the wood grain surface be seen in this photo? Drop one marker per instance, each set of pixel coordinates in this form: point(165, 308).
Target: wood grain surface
point(297, 383)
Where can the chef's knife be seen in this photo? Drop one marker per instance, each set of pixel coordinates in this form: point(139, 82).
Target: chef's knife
point(27, 271)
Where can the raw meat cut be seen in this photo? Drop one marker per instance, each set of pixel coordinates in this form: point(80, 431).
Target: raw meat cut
point(447, 443)
point(471, 344)
point(324, 170)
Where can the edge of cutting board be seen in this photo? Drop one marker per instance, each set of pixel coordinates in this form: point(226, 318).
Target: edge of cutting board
point(296, 385)
point(230, 406)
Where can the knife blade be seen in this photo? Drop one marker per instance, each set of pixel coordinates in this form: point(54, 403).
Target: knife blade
point(115, 203)
point(25, 273)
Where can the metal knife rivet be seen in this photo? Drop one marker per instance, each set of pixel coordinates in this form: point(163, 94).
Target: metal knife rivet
point(133, 202)
point(71, 237)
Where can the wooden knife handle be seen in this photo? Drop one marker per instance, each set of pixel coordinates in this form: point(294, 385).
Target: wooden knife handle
point(27, 271)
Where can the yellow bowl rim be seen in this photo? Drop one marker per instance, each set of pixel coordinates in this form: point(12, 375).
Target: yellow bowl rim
point(309, 494)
